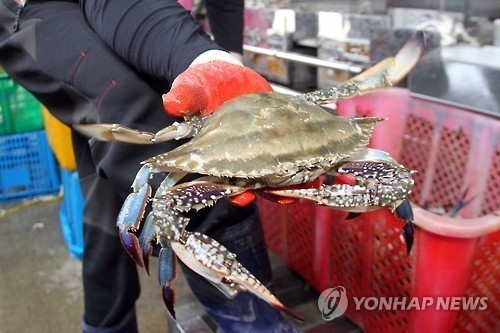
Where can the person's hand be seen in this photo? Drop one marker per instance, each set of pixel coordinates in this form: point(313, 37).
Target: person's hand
point(202, 88)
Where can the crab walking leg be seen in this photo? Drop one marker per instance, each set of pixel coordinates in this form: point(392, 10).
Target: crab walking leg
point(167, 271)
point(148, 233)
point(146, 238)
point(386, 73)
point(132, 213)
point(168, 182)
point(117, 132)
point(129, 220)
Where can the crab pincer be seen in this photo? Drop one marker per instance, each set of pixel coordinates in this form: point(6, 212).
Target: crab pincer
point(210, 259)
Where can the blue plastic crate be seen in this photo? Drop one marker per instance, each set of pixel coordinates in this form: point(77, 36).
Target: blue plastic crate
point(27, 167)
point(71, 213)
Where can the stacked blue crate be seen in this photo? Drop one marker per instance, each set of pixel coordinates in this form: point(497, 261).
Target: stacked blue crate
point(27, 167)
point(71, 213)
point(71, 207)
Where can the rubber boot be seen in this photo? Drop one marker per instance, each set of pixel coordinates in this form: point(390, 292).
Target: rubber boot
point(246, 312)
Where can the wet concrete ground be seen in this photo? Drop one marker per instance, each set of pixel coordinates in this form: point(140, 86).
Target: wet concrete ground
point(41, 292)
point(40, 283)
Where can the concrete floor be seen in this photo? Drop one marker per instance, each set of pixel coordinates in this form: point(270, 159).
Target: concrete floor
point(41, 292)
point(40, 283)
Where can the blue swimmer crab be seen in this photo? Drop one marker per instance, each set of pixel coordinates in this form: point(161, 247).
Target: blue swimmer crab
point(263, 142)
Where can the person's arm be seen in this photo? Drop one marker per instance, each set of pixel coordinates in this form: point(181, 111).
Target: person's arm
point(226, 23)
point(160, 38)
point(157, 37)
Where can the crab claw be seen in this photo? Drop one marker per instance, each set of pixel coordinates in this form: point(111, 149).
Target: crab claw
point(289, 312)
point(129, 220)
point(246, 281)
point(167, 273)
point(405, 213)
point(217, 264)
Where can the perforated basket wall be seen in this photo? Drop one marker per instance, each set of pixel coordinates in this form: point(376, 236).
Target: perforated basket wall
point(27, 167)
point(292, 234)
point(454, 152)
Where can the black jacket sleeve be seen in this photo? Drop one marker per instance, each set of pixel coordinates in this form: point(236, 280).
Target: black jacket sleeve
point(226, 23)
point(157, 37)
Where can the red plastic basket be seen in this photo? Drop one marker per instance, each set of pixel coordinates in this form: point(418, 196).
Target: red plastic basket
point(453, 150)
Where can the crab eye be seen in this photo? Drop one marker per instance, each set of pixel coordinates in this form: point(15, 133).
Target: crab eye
point(288, 168)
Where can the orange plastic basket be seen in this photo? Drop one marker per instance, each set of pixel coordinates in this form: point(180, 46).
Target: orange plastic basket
point(453, 150)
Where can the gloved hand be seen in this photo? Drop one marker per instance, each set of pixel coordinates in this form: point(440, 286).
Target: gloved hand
point(204, 87)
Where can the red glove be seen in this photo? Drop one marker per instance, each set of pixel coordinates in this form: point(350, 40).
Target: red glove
point(203, 88)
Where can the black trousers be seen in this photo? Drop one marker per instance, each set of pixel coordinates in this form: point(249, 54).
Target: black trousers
point(80, 80)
